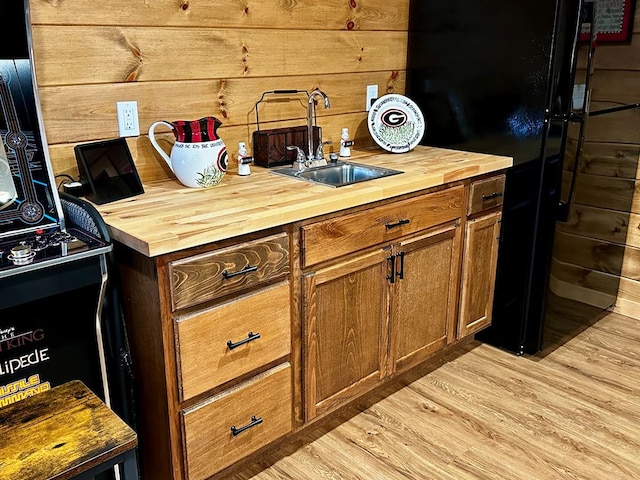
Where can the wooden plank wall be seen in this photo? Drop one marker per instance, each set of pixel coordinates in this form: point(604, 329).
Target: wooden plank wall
point(186, 59)
point(597, 252)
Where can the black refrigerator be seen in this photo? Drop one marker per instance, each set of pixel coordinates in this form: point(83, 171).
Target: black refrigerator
point(497, 76)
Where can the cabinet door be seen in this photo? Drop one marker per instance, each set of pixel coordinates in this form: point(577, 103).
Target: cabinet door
point(424, 300)
point(478, 273)
point(345, 346)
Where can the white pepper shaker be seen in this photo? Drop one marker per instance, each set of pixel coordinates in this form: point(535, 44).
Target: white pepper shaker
point(243, 160)
point(345, 143)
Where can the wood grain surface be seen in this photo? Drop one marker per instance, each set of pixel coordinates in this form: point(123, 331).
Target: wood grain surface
point(605, 204)
point(373, 226)
point(208, 439)
point(169, 217)
point(608, 159)
point(60, 433)
point(569, 412)
point(222, 272)
point(425, 303)
point(182, 60)
point(312, 14)
point(204, 358)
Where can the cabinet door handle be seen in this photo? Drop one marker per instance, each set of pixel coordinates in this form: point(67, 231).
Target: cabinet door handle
point(246, 269)
point(491, 196)
point(254, 421)
point(392, 276)
point(401, 272)
point(397, 224)
point(250, 336)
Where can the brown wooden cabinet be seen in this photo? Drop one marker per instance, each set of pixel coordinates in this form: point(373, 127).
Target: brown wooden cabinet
point(239, 343)
point(345, 310)
point(423, 312)
point(210, 328)
point(480, 255)
point(478, 273)
point(381, 294)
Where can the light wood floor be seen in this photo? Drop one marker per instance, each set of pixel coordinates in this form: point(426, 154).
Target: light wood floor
point(572, 411)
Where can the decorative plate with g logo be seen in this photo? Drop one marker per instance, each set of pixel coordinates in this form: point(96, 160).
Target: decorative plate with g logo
point(396, 123)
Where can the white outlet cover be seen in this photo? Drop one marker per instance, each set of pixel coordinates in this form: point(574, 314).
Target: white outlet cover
point(128, 125)
point(372, 95)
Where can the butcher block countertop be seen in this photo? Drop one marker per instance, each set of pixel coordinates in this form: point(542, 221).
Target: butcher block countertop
point(170, 217)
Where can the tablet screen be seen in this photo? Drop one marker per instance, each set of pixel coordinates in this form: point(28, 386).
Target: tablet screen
point(107, 169)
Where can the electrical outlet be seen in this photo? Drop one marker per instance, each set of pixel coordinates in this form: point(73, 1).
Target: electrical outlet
point(372, 95)
point(128, 119)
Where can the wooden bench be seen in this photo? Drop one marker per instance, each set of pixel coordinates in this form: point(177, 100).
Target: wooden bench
point(64, 433)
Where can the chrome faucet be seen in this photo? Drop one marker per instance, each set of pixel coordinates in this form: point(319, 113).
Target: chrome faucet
point(301, 161)
point(320, 149)
point(310, 110)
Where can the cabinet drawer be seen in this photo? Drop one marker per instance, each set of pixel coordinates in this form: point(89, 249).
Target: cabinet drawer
point(352, 232)
point(486, 194)
point(263, 405)
point(211, 275)
point(258, 327)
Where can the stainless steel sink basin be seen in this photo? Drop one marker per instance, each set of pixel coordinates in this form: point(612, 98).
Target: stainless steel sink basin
point(337, 174)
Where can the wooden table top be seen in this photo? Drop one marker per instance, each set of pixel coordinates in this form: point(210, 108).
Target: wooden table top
point(170, 217)
point(60, 433)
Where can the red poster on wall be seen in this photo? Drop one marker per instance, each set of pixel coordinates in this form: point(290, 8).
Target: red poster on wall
point(613, 21)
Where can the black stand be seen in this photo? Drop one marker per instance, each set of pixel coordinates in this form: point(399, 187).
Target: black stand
point(50, 330)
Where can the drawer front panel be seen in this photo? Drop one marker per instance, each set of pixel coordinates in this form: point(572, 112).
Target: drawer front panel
point(258, 327)
point(486, 194)
point(349, 233)
point(212, 275)
point(259, 411)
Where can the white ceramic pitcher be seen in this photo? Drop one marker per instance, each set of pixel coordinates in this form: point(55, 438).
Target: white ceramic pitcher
point(198, 156)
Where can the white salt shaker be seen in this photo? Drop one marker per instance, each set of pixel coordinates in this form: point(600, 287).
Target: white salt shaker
point(243, 160)
point(345, 143)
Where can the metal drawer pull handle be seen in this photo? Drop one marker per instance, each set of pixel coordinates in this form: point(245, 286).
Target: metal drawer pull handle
point(254, 421)
point(401, 272)
point(491, 196)
point(393, 225)
point(250, 336)
point(246, 269)
point(392, 276)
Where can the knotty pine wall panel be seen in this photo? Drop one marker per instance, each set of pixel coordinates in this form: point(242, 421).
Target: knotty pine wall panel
point(596, 253)
point(182, 60)
point(177, 54)
point(608, 159)
point(616, 259)
point(579, 283)
point(233, 101)
point(618, 127)
point(300, 14)
point(602, 224)
point(607, 192)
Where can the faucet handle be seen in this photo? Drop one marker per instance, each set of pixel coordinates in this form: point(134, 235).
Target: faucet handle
point(301, 159)
point(320, 150)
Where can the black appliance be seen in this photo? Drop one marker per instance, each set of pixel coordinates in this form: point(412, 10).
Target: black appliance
point(497, 76)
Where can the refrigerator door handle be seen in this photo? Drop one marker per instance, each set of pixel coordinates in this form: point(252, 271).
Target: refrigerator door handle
point(587, 17)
